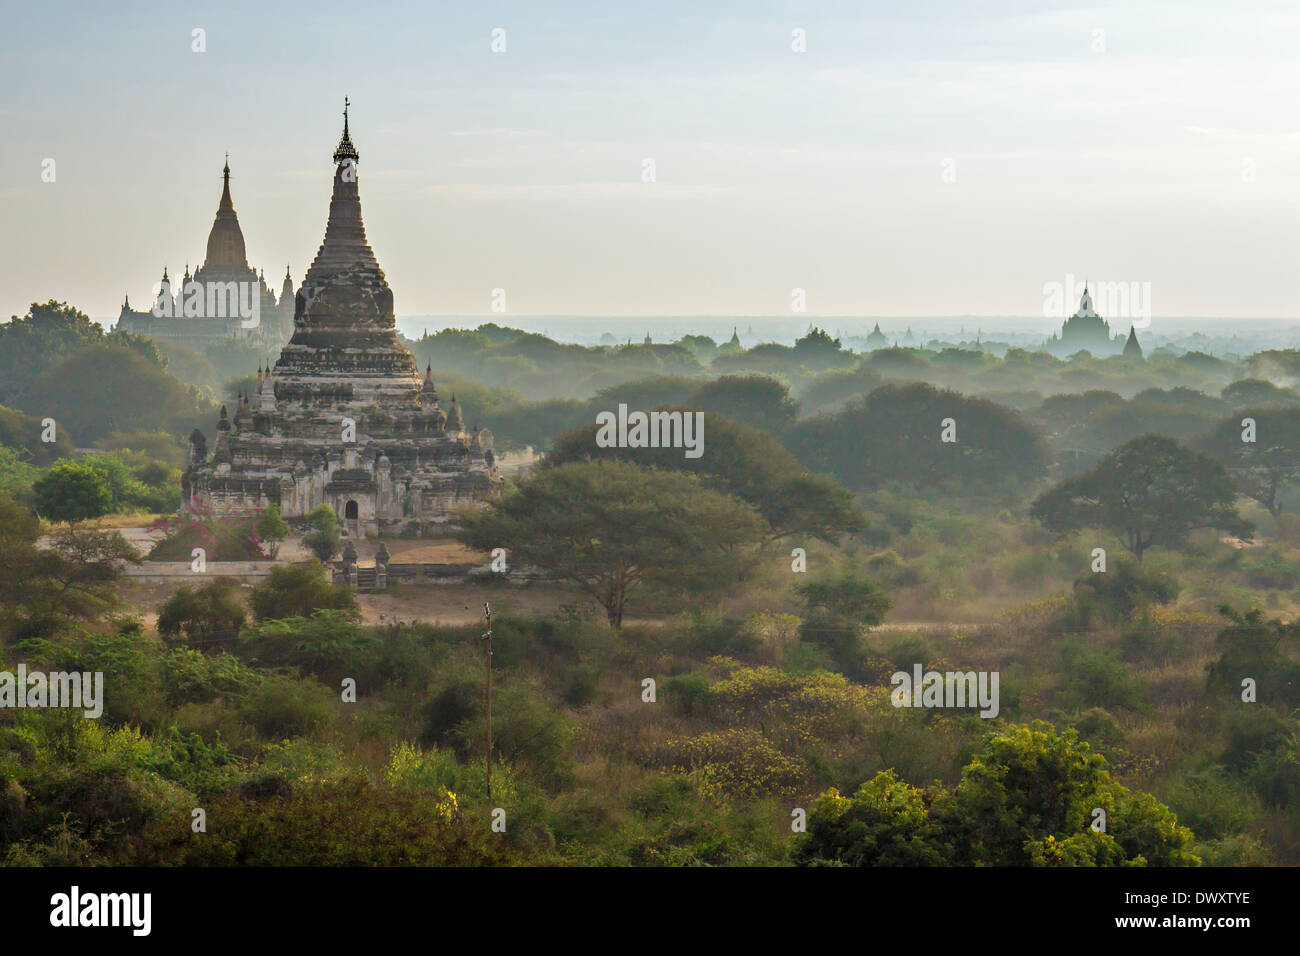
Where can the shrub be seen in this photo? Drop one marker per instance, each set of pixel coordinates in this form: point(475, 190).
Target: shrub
point(299, 590)
point(210, 616)
point(281, 706)
point(324, 541)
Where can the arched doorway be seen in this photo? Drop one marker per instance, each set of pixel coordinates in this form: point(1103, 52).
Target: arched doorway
point(350, 511)
point(350, 515)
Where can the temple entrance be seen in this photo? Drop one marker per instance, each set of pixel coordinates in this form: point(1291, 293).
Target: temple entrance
point(350, 519)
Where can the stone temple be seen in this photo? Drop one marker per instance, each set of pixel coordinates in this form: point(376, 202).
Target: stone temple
point(1084, 331)
point(344, 418)
point(202, 311)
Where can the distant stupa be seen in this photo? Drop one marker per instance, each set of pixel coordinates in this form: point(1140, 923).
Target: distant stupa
point(1132, 349)
point(877, 340)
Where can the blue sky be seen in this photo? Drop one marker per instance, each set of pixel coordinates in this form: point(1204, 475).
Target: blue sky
point(1164, 149)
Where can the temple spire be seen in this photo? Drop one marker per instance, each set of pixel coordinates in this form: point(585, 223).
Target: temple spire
point(226, 202)
point(226, 240)
point(345, 148)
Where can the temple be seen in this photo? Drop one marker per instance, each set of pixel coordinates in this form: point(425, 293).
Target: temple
point(1085, 331)
point(216, 303)
point(344, 418)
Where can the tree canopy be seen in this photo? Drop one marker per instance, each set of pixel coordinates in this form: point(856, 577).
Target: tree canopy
point(895, 434)
point(609, 527)
point(42, 588)
point(1151, 491)
point(1028, 798)
point(744, 462)
point(1262, 468)
point(73, 491)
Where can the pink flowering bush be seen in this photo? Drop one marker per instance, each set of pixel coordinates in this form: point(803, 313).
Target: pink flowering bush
point(223, 539)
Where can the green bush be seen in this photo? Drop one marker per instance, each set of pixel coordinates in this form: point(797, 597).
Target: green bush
point(299, 590)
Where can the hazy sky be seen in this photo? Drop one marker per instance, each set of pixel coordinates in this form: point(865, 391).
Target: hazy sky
point(1171, 155)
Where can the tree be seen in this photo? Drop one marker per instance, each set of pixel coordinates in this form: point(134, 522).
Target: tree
point(818, 350)
point(897, 432)
point(746, 463)
point(324, 541)
point(211, 615)
point(1264, 651)
point(297, 591)
point(1263, 467)
point(16, 476)
point(1151, 490)
point(758, 401)
point(886, 823)
point(1115, 595)
point(849, 599)
point(835, 613)
point(833, 388)
point(41, 588)
point(1180, 413)
point(272, 530)
point(1254, 392)
point(1027, 798)
point(610, 526)
point(73, 491)
point(24, 433)
point(31, 343)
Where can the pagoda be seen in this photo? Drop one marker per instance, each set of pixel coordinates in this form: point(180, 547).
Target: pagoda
point(344, 418)
point(1085, 331)
point(191, 316)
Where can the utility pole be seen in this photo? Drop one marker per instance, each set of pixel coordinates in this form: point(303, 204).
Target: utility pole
point(487, 613)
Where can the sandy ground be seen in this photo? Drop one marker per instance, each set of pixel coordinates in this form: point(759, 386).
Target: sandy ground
point(433, 603)
point(416, 601)
point(459, 603)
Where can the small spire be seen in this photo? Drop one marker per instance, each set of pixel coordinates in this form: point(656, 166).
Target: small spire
point(226, 203)
point(345, 148)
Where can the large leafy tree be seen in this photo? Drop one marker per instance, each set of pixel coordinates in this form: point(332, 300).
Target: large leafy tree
point(849, 600)
point(24, 434)
point(759, 401)
point(895, 434)
point(1151, 491)
point(1267, 652)
point(746, 463)
point(610, 526)
point(1261, 468)
point(109, 387)
point(210, 616)
point(41, 588)
point(46, 334)
point(73, 491)
point(1026, 799)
